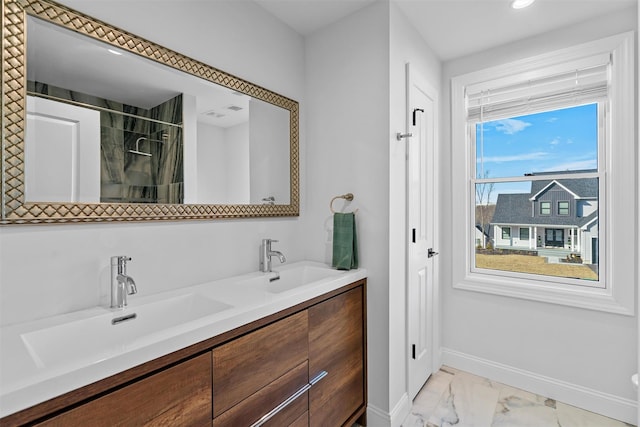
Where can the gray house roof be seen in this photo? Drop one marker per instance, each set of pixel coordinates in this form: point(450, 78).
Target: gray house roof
point(512, 209)
point(518, 208)
point(585, 188)
point(587, 219)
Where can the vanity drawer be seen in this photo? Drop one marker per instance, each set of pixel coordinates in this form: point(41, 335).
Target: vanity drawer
point(265, 400)
point(337, 346)
point(302, 421)
point(180, 395)
point(249, 363)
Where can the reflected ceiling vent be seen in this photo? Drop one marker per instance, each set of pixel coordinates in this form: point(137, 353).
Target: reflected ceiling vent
point(234, 108)
point(213, 113)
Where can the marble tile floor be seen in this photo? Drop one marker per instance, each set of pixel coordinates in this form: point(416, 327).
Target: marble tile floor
point(456, 398)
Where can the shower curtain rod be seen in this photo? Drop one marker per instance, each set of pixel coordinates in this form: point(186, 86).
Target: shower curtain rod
point(95, 107)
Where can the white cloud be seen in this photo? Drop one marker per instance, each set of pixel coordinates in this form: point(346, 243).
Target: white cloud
point(514, 158)
point(552, 119)
point(555, 141)
point(511, 126)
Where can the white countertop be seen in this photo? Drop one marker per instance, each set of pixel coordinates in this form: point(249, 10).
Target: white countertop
point(26, 379)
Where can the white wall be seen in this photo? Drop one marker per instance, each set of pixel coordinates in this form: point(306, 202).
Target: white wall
point(223, 164)
point(575, 352)
point(211, 164)
point(46, 270)
point(238, 164)
point(356, 104)
point(347, 141)
point(269, 152)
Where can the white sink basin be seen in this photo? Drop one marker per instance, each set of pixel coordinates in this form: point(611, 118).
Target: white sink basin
point(292, 278)
point(99, 337)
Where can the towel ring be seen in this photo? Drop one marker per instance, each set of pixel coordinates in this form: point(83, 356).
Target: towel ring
point(348, 197)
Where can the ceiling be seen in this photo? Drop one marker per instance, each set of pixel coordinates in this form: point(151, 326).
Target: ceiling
point(453, 28)
point(91, 67)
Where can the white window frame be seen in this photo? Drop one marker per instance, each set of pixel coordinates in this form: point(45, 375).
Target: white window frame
point(618, 278)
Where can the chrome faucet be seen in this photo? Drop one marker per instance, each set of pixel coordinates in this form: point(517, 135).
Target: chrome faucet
point(121, 284)
point(266, 253)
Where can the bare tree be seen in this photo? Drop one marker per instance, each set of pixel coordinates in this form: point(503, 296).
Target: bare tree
point(483, 202)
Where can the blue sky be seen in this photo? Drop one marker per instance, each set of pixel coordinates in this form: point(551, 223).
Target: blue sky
point(558, 140)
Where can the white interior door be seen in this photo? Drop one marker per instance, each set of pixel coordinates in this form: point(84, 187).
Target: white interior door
point(421, 219)
point(62, 152)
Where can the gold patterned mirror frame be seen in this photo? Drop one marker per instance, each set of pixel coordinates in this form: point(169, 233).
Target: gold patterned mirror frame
point(14, 208)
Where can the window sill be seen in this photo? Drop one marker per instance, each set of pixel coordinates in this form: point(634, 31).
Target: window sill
point(585, 297)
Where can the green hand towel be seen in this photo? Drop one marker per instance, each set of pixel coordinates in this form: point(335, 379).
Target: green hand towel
point(345, 244)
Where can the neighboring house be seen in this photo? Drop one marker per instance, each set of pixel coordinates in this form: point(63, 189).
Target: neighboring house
point(559, 214)
point(483, 238)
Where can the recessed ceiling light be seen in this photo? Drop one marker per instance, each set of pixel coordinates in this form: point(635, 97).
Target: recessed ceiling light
point(521, 4)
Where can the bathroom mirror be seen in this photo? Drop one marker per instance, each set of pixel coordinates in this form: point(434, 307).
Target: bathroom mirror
point(100, 125)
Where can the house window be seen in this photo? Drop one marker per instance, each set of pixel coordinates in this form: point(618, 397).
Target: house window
point(545, 208)
point(506, 233)
point(536, 132)
point(563, 208)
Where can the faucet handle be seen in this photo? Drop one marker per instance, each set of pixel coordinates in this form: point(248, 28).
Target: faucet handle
point(267, 243)
point(120, 263)
point(120, 259)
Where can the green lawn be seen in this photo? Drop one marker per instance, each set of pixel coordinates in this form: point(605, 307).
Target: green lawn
point(534, 265)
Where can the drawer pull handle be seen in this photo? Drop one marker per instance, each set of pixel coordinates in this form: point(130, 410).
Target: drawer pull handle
point(289, 400)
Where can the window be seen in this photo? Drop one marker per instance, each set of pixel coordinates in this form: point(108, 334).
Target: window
point(535, 133)
point(506, 232)
point(563, 208)
point(540, 157)
point(545, 208)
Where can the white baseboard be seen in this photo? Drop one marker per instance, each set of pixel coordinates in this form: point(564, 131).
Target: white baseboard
point(582, 397)
point(376, 417)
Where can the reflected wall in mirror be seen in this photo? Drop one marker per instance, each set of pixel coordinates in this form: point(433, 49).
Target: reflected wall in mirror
point(105, 126)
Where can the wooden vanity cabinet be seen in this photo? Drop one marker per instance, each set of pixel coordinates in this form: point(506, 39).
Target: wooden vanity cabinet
point(337, 346)
point(237, 377)
point(327, 336)
point(180, 395)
